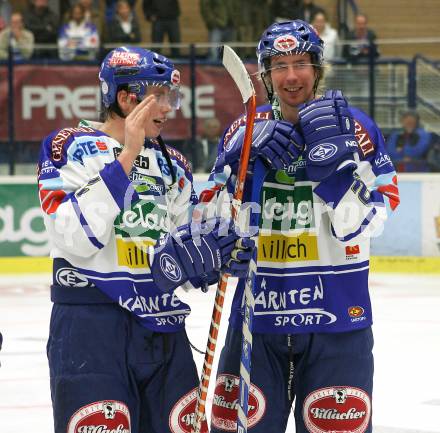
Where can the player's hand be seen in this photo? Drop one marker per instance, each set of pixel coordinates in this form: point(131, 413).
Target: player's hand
point(191, 251)
point(138, 121)
point(276, 142)
point(137, 124)
point(328, 129)
point(241, 256)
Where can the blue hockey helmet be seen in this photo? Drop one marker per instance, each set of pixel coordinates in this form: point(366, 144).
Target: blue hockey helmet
point(139, 68)
point(289, 37)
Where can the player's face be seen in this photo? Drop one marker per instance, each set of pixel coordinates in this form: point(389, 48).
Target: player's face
point(293, 77)
point(160, 110)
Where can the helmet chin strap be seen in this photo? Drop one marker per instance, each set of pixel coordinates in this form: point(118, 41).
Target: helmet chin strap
point(165, 153)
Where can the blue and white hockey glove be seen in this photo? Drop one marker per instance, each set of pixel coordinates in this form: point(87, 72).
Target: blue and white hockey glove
point(275, 141)
point(328, 129)
point(191, 251)
point(241, 255)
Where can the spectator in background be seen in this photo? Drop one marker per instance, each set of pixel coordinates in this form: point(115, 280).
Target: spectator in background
point(308, 10)
point(78, 39)
point(5, 14)
point(203, 152)
point(408, 146)
point(124, 28)
point(91, 14)
point(285, 10)
point(433, 156)
point(164, 17)
point(20, 39)
point(43, 23)
point(217, 15)
point(110, 8)
point(328, 34)
point(261, 16)
point(362, 37)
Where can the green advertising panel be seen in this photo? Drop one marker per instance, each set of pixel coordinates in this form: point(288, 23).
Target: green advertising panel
point(22, 231)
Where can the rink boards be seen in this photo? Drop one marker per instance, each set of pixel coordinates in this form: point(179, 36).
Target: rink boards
point(410, 242)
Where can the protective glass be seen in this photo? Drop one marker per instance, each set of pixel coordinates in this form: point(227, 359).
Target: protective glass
point(172, 97)
point(299, 66)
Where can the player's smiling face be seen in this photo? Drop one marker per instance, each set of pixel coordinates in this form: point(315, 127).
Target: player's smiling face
point(293, 77)
point(161, 110)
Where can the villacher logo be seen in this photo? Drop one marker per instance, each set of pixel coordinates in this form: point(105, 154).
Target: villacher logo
point(337, 409)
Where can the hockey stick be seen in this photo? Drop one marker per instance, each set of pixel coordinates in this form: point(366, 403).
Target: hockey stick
point(246, 343)
point(237, 70)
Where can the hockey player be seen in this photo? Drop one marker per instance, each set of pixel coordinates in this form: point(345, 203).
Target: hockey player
point(322, 199)
point(117, 204)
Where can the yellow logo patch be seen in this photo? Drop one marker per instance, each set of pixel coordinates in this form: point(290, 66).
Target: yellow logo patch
point(281, 248)
point(133, 254)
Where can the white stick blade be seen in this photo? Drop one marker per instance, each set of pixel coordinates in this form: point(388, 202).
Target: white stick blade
point(238, 72)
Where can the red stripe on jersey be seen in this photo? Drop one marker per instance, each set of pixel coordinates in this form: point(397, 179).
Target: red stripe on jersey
point(50, 200)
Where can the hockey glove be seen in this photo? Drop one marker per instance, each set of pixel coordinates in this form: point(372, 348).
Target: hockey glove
point(241, 255)
point(276, 142)
point(191, 251)
point(328, 129)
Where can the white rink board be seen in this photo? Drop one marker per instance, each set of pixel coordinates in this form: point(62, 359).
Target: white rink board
point(407, 351)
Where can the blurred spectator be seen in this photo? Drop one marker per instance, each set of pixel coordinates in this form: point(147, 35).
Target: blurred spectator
point(261, 18)
point(286, 10)
point(408, 146)
point(203, 152)
point(91, 14)
point(78, 39)
point(110, 8)
point(5, 14)
point(244, 26)
point(362, 39)
point(308, 10)
point(328, 34)
point(433, 157)
point(124, 28)
point(43, 23)
point(20, 39)
point(164, 17)
point(217, 15)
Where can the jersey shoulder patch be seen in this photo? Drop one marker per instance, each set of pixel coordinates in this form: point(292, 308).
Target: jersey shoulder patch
point(61, 139)
point(363, 131)
point(264, 112)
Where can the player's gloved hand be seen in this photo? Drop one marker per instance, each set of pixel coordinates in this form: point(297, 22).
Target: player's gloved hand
point(276, 142)
point(328, 129)
point(241, 255)
point(191, 251)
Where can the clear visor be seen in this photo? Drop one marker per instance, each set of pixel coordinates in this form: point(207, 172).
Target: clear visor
point(165, 94)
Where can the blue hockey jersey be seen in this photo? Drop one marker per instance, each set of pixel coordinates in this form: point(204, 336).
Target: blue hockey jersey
point(314, 238)
point(102, 223)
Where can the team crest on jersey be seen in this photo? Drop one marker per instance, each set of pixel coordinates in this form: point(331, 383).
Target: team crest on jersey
point(285, 43)
point(102, 416)
point(71, 277)
point(183, 412)
point(225, 403)
point(339, 409)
